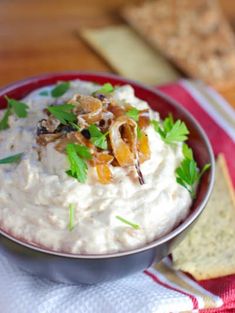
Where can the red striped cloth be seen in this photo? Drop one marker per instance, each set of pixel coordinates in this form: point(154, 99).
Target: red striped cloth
point(221, 134)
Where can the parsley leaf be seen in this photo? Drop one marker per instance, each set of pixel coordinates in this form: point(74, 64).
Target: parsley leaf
point(19, 108)
point(83, 151)
point(4, 121)
point(139, 132)
point(100, 142)
point(105, 89)
point(204, 169)
point(97, 137)
point(133, 225)
point(76, 155)
point(134, 114)
point(71, 217)
point(60, 89)
point(76, 126)
point(170, 131)
point(155, 125)
point(44, 93)
point(187, 152)
point(63, 113)
point(12, 159)
point(187, 174)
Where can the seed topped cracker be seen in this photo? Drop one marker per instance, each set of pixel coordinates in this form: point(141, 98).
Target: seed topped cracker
point(192, 34)
point(208, 251)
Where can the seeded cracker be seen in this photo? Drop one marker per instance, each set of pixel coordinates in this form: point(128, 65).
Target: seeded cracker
point(209, 249)
point(192, 34)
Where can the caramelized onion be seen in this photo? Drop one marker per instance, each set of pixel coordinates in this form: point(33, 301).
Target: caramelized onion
point(144, 119)
point(44, 139)
point(116, 110)
point(73, 137)
point(104, 173)
point(88, 108)
point(143, 148)
point(124, 149)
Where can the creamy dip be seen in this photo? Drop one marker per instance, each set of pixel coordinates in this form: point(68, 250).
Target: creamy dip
point(35, 195)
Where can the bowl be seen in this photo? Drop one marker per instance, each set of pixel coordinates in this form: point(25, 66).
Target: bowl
point(90, 269)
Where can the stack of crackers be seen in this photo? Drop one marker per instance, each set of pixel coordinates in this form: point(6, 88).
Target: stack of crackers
point(168, 38)
point(194, 35)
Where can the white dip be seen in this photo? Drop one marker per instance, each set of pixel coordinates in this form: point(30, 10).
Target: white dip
point(35, 195)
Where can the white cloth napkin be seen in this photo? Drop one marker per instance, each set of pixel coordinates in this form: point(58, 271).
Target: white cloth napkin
point(147, 292)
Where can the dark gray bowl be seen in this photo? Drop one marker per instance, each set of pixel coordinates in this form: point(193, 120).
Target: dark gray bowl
point(76, 268)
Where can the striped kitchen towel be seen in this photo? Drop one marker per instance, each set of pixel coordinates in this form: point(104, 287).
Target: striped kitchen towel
point(159, 289)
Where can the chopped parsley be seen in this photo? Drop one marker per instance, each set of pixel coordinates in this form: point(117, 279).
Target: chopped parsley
point(44, 93)
point(77, 156)
point(139, 132)
point(123, 220)
point(71, 217)
point(75, 126)
point(19, 108)
point(12, 159)
point(4, 121)
point(133, 113)
point(170, 131)
point(187, 174)
point(63, 113)
point(97, 137)
point(60, 89)
point(105, 89)
point(187, 152)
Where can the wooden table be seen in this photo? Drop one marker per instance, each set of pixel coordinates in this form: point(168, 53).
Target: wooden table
point(42, 36)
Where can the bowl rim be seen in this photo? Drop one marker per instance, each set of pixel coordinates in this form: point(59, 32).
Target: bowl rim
point(177, 230)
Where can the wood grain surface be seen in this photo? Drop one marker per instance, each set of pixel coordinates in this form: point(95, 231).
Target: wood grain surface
point(42, 36)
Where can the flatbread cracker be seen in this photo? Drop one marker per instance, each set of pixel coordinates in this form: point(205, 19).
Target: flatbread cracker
point(208, 251)
point(129, 55)
point(193, 34)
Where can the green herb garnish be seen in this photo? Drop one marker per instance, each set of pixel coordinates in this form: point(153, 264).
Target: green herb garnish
point(133, 225)
point(76, 126)
point(134, 114)
point(63, 113)
point(97, 137)
point(44, 93)
point(71, 217)
point(60, 89)
point(105, 89)
point(12, 159)
point(83, 151)
point(187, 174)
point(187, 152)
point(19, 108)
point(77, 154)
point(4, 121)
point(170, 131)
point(139, 132)
point(13, 106)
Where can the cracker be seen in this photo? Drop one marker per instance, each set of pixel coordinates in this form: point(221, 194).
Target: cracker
point(193, 34)
point(208, 251)
point(128, 55)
